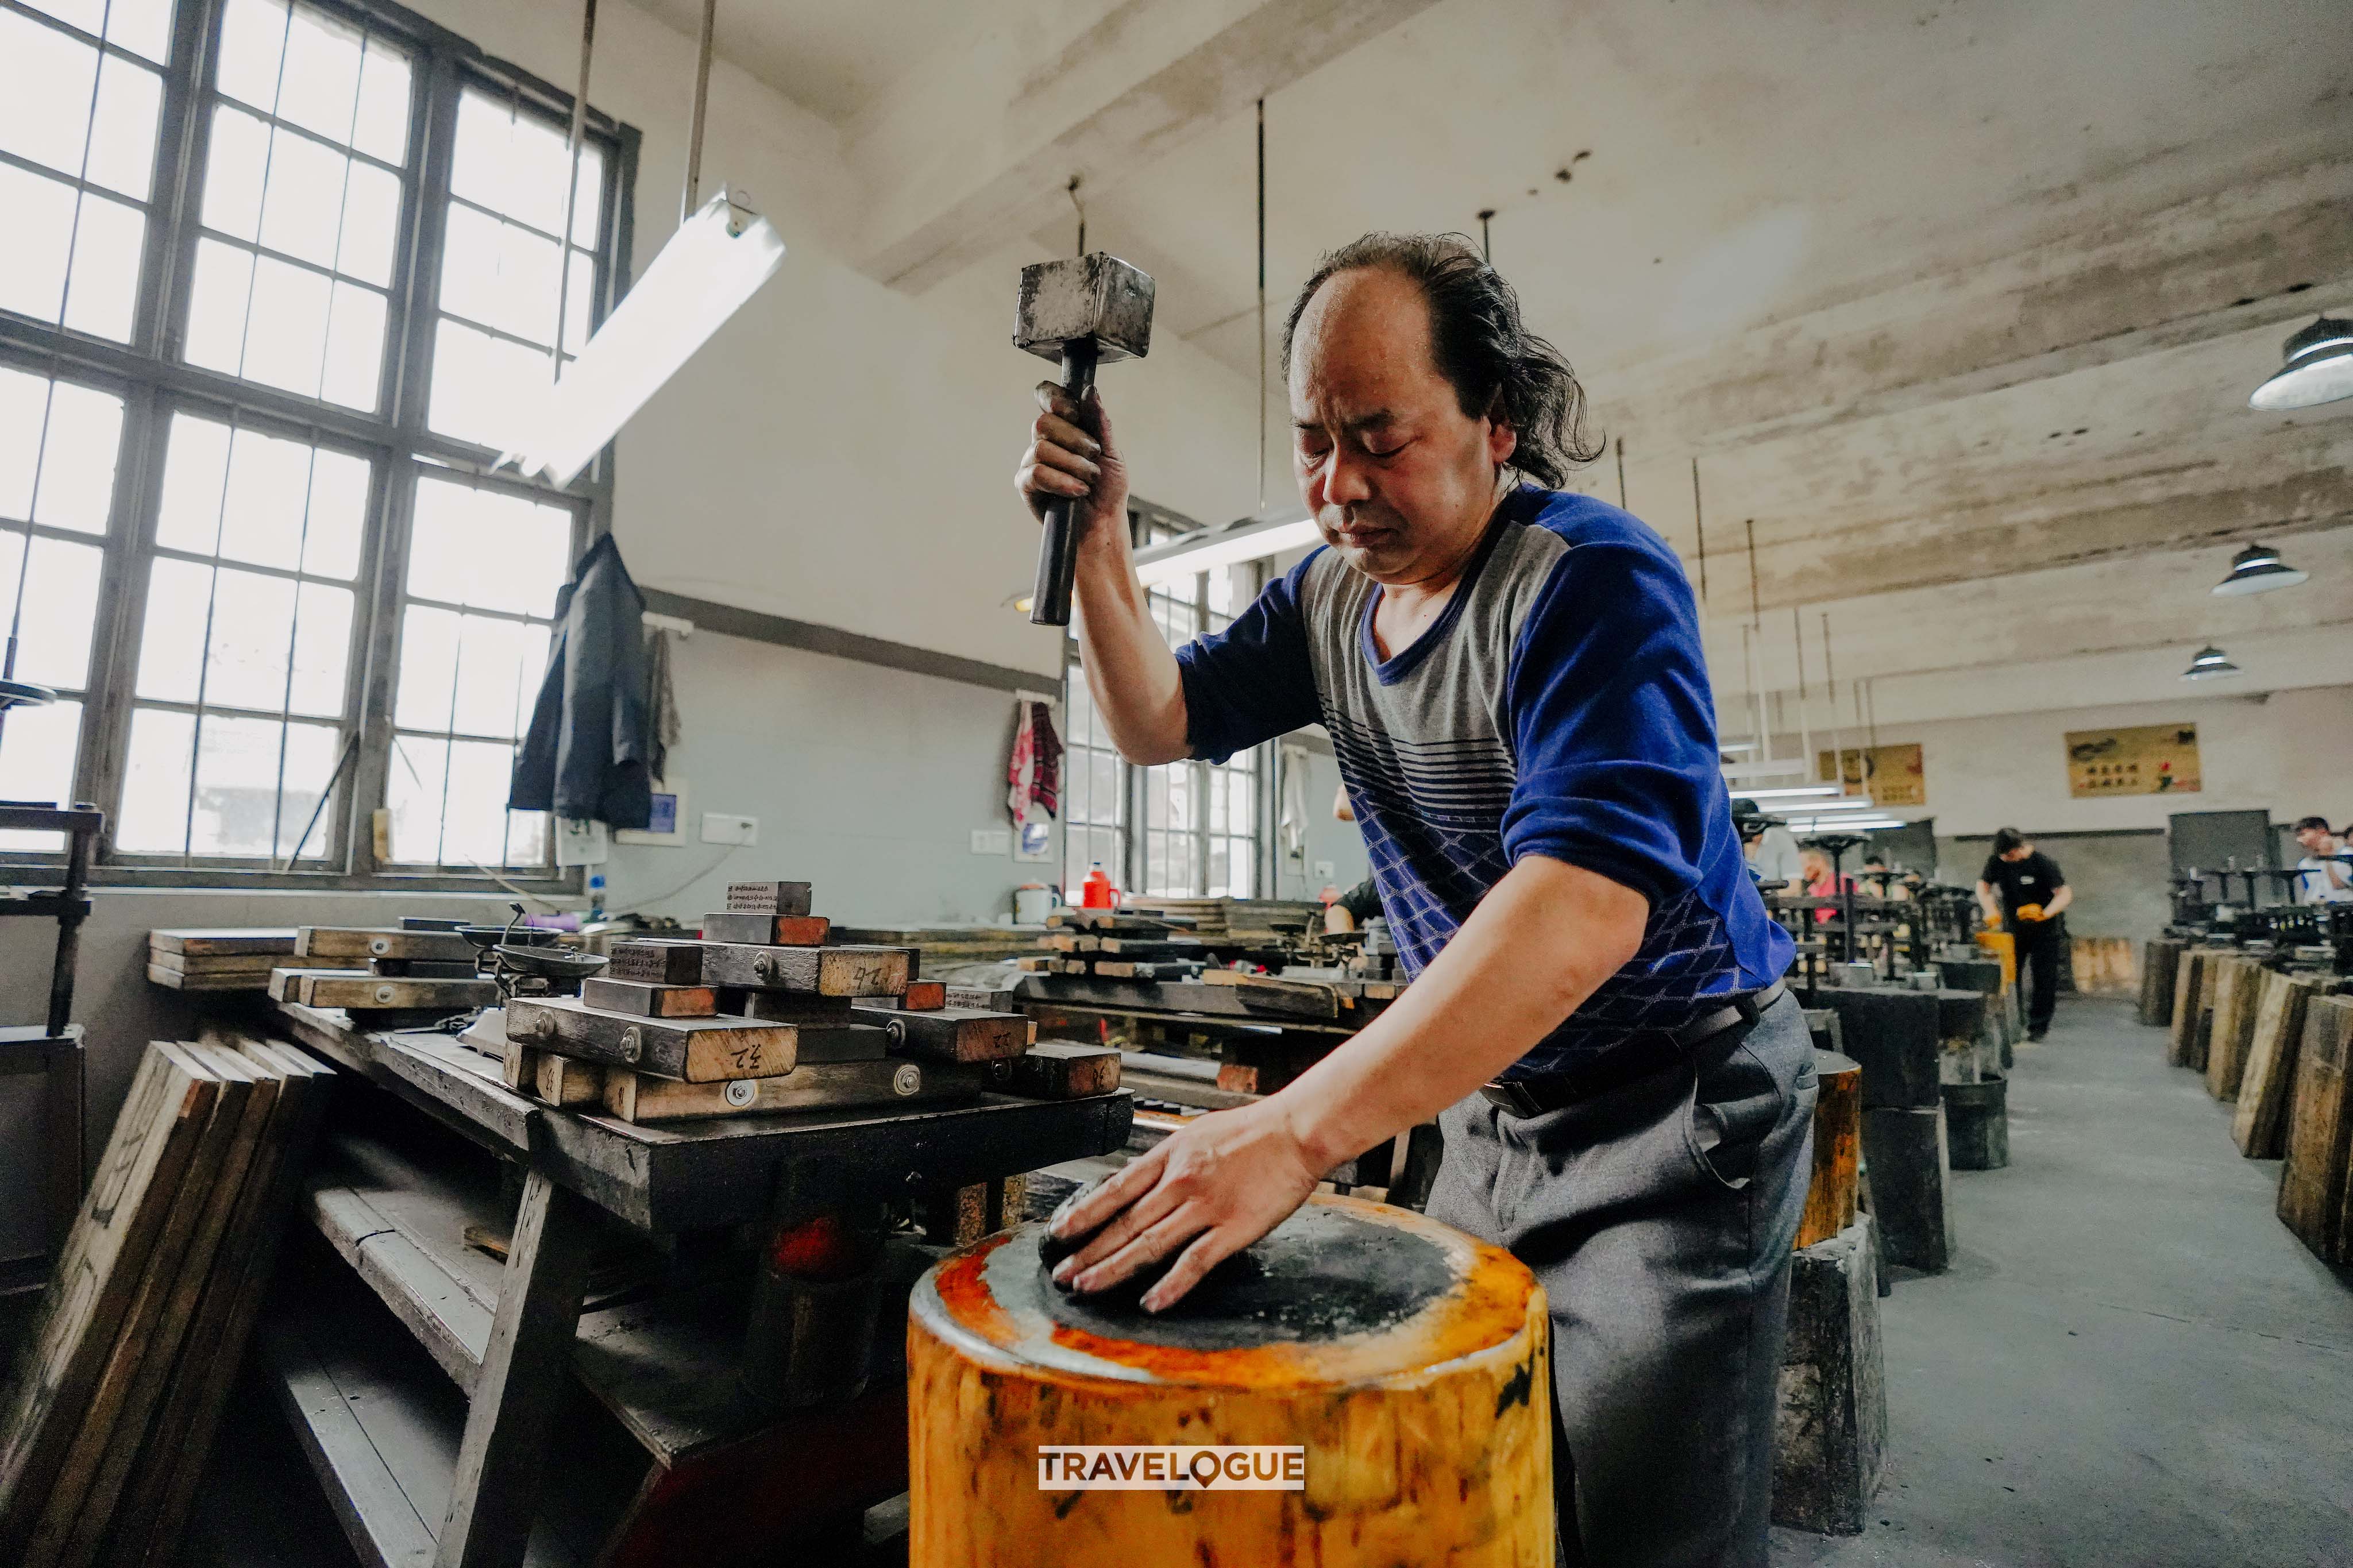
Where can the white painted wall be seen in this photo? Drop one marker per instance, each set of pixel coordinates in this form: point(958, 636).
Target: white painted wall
point(2290, 753)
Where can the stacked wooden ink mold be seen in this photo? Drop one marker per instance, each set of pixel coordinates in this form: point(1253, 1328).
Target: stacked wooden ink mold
point(388, 969)
point(1119, 946)
point(762, 1014)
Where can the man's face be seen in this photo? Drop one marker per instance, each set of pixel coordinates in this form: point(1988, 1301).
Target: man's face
point(1398, 479)
point(2314, 839)
point(2020, 853)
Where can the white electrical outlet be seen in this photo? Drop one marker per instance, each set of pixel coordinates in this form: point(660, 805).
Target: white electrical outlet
point(992, 841)
point(726, 827)
point(1323, 870)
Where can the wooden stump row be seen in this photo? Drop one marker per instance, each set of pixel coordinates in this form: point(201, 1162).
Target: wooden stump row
point(2314, 1195)
point(2160, 963)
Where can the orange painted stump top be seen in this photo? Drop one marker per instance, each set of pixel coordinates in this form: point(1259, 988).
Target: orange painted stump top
point(1405, 1362)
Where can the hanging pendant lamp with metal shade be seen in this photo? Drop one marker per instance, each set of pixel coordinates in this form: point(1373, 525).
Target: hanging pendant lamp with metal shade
point(2320, 369)
point(2210, 663)
point(2258, 569)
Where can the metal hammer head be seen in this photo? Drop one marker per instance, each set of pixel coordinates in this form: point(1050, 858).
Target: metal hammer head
point(1092, 296)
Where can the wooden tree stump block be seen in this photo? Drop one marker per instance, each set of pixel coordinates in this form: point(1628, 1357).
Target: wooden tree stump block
point(1838, 1150)
point(1911, 1184)
point(2259, 1127)
point(2313, 1185)
point(2192, 994)
point(2236, 988)
point(2159, 973)
point(1408, 1362)
point(1830, 1434)
point(1976, 1124)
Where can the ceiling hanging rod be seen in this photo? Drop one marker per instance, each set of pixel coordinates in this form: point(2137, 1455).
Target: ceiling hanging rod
point(1829, 688)
point(1262, 305)
point(702, 102)
point(1699, 527)
point(572, 190)
point(1805, 718)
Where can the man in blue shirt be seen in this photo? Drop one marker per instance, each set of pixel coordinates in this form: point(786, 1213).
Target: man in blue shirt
point(1516, 694)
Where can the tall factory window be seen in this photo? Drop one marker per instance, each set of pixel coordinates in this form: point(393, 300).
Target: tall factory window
point(1094, 793)
point(245, 671)
point(307, 137)
point(57, 457)
point(80, 97)
point(1200, 820)
point(276, 276)
point(499, 282)
point(484, 565)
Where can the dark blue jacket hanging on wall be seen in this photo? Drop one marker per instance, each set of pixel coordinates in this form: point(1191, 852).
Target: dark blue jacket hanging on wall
point(587, 752)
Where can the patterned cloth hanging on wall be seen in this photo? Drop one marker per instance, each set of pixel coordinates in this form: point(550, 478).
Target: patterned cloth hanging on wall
point(1034, 776)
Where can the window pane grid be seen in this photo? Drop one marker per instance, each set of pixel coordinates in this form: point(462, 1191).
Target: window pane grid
point(503, 272)
point(1200, 831)
point(59, 443)
point(78, 127)
point(477, 615)
point(302, 195)
point(1094, 803)
point(232, 693)
point(242, 684)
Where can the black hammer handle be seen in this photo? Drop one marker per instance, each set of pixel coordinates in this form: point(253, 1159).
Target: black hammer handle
point(1049, 601)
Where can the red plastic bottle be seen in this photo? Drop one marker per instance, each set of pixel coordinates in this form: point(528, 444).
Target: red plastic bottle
point(1098, 893)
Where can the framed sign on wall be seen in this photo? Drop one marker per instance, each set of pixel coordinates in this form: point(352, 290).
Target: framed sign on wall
point(2147, 759)
point(1890, 775)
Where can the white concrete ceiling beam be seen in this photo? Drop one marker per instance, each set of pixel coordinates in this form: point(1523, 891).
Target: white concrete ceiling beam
point(2062, 613)
point(2257, 256)
point(972, 147)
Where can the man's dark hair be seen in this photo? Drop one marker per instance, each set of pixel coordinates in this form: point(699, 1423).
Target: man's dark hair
point(1498, 368)
point(2007, 839)
point(2306, 823)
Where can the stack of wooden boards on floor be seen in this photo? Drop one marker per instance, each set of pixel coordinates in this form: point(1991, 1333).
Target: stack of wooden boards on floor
point(231, 959)
point(2276, 1046)
point(760, 1015)
point(122, 1384)
point(1118, 946)
point(383, 969)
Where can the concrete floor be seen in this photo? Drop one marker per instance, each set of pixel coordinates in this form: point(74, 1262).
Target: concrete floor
point(2132, 1362)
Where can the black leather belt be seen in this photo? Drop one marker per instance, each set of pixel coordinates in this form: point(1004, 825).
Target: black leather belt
point(1716, 1033)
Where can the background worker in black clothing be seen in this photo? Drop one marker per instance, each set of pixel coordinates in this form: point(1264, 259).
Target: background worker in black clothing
point(2035, 892)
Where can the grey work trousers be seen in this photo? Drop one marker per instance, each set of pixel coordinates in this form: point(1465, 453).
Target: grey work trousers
point(1659, 1217)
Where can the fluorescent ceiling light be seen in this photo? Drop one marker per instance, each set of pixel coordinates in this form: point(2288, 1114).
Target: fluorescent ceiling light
point(1851, 805)
point(1846, 821)
point(1211, 548)
point(716, 262)
point(1791, 792)
point(1786, 768)
point(2258, 569)
point(2210, 663)
point(2320, 369)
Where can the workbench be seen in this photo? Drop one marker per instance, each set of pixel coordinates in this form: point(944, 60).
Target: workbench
point(418, 1476)
point(1264, 1038)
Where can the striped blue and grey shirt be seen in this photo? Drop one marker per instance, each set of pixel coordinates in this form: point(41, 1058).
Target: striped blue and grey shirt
point(1559, 706)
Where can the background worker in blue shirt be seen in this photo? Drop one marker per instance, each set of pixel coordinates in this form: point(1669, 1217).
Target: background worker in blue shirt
point(1513, 683)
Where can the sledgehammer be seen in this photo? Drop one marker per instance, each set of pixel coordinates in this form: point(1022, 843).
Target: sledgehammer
point(1083, 310)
